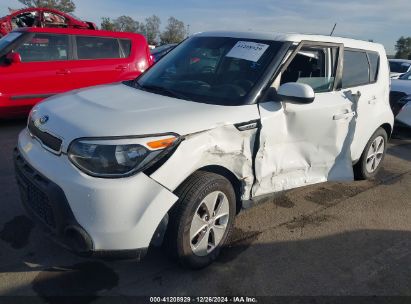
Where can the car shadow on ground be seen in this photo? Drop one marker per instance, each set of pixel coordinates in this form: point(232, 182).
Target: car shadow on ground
point(364, 262)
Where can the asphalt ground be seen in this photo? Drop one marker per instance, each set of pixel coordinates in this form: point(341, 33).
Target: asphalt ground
point(329, 239)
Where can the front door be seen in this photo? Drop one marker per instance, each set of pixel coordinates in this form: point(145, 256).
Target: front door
point(42, 73)
point(302, 144)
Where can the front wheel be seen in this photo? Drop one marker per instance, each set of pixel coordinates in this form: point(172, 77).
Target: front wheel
point(202, 219)
point(373, 156)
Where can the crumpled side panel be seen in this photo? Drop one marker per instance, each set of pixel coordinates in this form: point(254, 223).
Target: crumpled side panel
point(224, 146)
point(302, 145)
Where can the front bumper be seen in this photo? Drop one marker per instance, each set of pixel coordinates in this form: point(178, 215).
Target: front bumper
point(88, 214)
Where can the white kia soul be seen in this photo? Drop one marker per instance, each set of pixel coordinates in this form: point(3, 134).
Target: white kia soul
point(221, 121)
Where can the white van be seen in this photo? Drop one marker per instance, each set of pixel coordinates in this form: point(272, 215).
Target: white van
point(221, 121)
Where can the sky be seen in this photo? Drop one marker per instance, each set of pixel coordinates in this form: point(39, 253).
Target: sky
point(380, 20)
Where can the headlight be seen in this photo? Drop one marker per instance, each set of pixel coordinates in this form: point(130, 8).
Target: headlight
point(119, 157)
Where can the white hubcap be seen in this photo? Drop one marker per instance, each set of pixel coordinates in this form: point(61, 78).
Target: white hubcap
point(375, 154)
point(209, 223)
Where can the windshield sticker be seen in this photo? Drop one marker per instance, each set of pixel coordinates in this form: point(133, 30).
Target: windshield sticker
point(247, 50)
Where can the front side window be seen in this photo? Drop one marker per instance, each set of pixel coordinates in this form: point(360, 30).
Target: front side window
point(215, 70)
point(315, 66)
point(44, 47)
point(97, 47)
point(26, 20)
point(356, 69)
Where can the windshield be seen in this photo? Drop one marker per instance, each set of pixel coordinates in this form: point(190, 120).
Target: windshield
point(399, 67)
point(9, 38)
point(406, 76)
point(214, 70)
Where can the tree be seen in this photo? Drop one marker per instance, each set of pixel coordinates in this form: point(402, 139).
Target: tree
point(175, 31)
point(403, 48)
point(128, 24)
point(107, 24)
point(67, 6)
point(152, 28)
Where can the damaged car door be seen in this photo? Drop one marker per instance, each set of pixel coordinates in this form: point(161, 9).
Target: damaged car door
point(305, 141)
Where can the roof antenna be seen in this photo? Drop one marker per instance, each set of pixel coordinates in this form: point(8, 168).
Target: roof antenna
point(332, 32)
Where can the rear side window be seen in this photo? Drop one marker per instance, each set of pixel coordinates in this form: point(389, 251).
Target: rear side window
point(125, 47)
point(97, 47)
point(44, 47)
point(374, 59)
point(356, 69)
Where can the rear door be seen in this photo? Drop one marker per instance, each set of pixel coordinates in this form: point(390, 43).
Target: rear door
point(359, 78)
point(100, 60)
point(302, 144)
point(42, 72)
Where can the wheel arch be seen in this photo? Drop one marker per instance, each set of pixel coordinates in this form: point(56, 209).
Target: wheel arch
point(228, 174)
point(232, 178)
point(388, 128)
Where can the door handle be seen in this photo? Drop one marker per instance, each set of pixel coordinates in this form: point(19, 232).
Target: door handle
point(121, 68)
point(63, 72)
point(343, 116)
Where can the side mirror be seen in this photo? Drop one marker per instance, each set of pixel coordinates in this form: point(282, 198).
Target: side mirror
point(13, 57)
point(296, 92)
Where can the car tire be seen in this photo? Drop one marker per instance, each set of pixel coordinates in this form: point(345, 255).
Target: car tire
point(202, 219)
point(372, 156)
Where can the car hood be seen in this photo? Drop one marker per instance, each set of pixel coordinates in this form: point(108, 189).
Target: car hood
point(119, 110)
point(399, 85)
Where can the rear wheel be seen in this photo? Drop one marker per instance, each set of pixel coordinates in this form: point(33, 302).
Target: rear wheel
point(202, 219)
point(372, 156)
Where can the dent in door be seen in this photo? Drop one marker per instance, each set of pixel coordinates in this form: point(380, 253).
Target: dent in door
point(295, 150)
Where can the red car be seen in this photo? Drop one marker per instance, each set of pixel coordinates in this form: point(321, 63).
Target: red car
point(36, 63)
point(41, 17)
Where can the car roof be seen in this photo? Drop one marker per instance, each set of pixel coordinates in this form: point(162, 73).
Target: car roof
point(70, 31)
point(295, 37)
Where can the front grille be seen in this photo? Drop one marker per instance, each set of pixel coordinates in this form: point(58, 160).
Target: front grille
point(47, 139)
point(33, 197)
